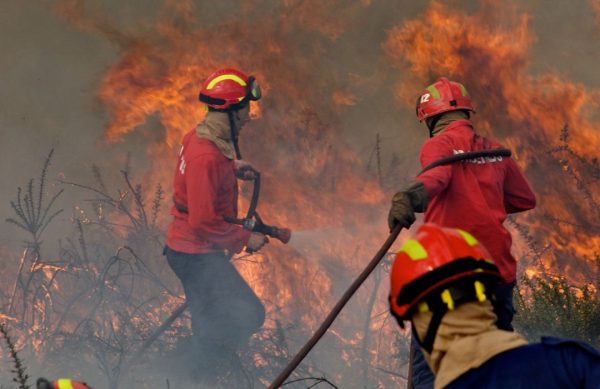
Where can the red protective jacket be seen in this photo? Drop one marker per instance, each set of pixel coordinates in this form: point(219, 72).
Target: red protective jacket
point(475, 195)
point(206, 185)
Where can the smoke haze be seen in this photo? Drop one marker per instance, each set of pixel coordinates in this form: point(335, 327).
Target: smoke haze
point(99, 81)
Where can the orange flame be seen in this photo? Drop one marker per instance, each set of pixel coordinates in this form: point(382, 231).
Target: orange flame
point(529, 113)
point(313, 181)
point(310, 177)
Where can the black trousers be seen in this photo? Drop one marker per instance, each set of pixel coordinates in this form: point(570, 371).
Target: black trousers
point(423, 377)
point(225, 311)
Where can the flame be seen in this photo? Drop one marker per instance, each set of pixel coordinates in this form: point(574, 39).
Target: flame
point(343, 98)
point(595, 4)
point(544, 119)
point(312, 180)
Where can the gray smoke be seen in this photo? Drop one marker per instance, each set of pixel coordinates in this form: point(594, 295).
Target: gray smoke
point(51, 70)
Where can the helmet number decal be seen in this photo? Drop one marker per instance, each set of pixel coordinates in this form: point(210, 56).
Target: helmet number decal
point(425, 98)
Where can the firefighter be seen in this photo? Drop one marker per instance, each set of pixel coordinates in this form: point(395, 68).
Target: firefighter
point(442, 281)
point(61, 383)
point(474, 195)
point(225, 311)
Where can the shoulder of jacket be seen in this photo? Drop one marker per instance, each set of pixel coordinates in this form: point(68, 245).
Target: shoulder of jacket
point(199, 147)
point(441, 141)
point(561, 342)
point(491, 143)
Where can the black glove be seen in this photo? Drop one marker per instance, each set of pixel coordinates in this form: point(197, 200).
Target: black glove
point(405, 203)
point(244, 171)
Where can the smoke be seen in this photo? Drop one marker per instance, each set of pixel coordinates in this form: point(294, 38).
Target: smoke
point(305, 241)
point(50, 73)
point(329, 89)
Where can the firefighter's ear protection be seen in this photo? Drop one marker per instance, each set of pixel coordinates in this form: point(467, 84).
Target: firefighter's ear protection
point(254, 92)
point(43, 383)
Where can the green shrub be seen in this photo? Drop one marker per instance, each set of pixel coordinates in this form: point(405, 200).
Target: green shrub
point(551, 306)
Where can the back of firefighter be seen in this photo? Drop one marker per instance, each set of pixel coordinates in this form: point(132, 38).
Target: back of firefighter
point(225, 311)
point(474, 195)
point(443, 282)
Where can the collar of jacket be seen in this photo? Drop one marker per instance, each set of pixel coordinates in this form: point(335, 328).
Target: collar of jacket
point(449, 119)
point(466, 339)
point(216, 128)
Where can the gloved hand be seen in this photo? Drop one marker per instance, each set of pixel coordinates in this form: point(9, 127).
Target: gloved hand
point(256, 242)
point(405, 203)
point(244, 170)
point(401, 211)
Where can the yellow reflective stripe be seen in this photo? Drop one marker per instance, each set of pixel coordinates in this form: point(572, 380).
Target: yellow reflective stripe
point(64, 383)
point(434, 92)
point(447, 298)
point(224, 77)
point(480, 291)
point(463, 90)
point(468, 237)
point(414, 250)
point(423, 307)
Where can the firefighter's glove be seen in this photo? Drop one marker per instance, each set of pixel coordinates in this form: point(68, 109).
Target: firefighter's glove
point(244, 170)
point(256, 242)
point(405, 203)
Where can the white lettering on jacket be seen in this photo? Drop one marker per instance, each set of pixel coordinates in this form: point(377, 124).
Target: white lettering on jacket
point(181, 161)
point(182, 166)
point(479, 160)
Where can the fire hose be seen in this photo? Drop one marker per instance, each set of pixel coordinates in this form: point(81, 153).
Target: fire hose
point(473, 155)
point(252, 222)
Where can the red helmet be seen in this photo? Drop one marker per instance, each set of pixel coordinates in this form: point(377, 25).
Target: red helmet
point(229, 89)
point(443, 96)
point(436, 258)
point(61, 383)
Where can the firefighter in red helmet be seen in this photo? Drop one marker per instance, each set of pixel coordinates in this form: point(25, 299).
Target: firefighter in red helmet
point(443, 282)
point(225, 311)
point(474, 194)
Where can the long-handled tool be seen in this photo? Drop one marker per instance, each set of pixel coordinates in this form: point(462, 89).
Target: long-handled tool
point(336, 310)
point(158, 332)
point(473, 155)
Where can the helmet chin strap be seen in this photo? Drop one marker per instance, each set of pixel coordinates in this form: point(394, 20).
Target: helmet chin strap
point(234, 134)
point(431, 122)
point(434, 325)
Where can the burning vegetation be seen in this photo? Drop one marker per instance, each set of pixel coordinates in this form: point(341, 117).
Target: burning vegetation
point(86, 310)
